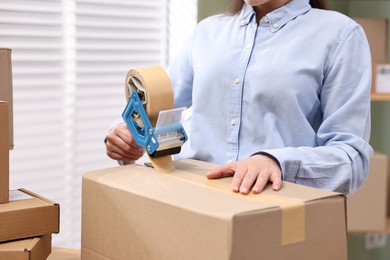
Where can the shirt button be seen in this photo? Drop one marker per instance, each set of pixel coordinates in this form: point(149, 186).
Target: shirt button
point(275, 25)
point(243, 22)
point(266, 19)
point(237, 80)
point(233, 122)
point(229, 161)
point(248, 46)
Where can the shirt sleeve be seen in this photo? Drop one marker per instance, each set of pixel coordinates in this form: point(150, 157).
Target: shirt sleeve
point(340, 162)
point(181, 74)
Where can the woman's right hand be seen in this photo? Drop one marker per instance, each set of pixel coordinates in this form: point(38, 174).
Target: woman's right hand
point(121, 146)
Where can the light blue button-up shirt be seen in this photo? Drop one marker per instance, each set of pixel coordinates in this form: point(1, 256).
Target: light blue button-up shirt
point(296, 86)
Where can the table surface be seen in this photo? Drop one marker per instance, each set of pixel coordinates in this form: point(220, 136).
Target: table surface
point(64, 254)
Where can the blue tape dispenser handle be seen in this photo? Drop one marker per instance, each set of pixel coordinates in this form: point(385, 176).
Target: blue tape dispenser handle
point(143, 135)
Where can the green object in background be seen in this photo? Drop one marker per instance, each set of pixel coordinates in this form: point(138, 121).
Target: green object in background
point(211, 7)
point(380, 130)
point(339, 5)
point(368, 246)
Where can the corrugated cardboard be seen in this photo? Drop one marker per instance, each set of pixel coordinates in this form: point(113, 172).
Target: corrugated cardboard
point(64, 254)
point(6, 88)
point(376, 30)
point(367, 207)
point(132, 212)
point(37, 248)
point(28, 215)
point(4, 153)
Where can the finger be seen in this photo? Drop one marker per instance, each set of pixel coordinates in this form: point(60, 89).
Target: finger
point(122, 138)
point(120, 135)
point(276, 180)
point(116, 153)
point(119, 147)
point(126, 140)
point(248, 180)
point(261, 182)
point(222, 171)
point(238, 177)
point(115, 156)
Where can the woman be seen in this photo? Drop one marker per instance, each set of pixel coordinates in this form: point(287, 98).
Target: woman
point(279, 90)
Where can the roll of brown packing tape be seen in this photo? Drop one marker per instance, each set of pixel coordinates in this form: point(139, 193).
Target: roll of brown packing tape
point(155, 90)
point(155, 84)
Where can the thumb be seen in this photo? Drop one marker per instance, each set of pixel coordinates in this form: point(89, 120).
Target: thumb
point(221, 171)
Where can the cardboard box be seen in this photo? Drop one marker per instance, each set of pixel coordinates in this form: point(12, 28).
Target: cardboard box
point(37, 248)
point(368, 245)
point(367, 207)
point(64, 254)
point(4, 153)
point(28, 215)
point(133, 212)
point(6, 88)
point(376, 30)
point(381, 78)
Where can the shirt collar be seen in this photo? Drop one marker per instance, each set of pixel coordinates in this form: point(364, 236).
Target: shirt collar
point(277, 18)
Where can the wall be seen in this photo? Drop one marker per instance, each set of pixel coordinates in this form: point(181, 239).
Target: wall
point(380, 110)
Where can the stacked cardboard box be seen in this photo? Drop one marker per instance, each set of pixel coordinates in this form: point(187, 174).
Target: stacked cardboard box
point(27, 215)
point(4, 153)
point(6, 88)
point(27, 220)
point(37, 248)
point(364, 215)
point(6, 124)
point(133, 212)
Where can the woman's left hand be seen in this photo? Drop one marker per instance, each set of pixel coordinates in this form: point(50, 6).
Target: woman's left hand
point(252, 173)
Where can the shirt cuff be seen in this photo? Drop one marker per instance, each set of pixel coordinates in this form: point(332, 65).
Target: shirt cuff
point(289, 168)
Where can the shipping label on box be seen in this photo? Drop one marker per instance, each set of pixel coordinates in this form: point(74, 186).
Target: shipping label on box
point(28, 215)
point(4, 152)
point(133, 212)
point(6, 88)
point(37, 248)
point(381, 78)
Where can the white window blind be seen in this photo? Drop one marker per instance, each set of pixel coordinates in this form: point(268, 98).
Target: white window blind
point(182, 21)
point(70, 58)
point(33, 30)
